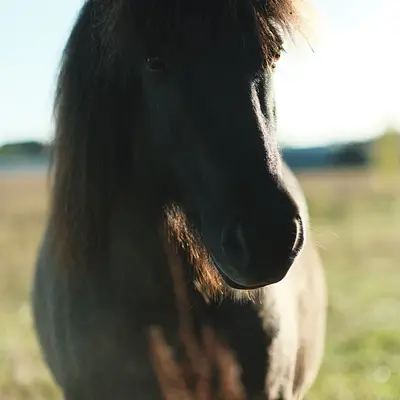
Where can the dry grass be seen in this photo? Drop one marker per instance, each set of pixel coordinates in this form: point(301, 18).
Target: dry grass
point(357, 226)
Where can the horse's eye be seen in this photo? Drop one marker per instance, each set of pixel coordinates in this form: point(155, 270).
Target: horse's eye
point(156, 64)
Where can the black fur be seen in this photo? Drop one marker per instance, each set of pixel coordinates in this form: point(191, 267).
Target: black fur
point(169, 104)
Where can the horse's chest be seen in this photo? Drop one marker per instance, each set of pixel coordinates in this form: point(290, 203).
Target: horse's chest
point(242, 329)
point(235, 326)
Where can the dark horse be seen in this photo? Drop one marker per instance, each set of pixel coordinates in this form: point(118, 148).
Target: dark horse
point(165, 139)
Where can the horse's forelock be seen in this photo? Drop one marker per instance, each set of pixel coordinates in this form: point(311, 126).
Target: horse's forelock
point(169, 17)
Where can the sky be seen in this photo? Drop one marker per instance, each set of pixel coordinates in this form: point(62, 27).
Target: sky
point(342, 84)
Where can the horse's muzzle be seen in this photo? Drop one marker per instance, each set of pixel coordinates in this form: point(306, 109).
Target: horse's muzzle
point(258, 258)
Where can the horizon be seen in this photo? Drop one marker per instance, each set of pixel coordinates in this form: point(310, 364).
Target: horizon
point(288, 146)
point(346, 90)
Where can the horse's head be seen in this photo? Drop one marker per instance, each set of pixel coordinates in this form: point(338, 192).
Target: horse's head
point(196, 79)
point(208, 114)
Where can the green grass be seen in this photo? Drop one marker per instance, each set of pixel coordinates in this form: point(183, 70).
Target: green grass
point(357, 227)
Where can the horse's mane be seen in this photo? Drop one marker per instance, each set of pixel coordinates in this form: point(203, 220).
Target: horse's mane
point(95, 102)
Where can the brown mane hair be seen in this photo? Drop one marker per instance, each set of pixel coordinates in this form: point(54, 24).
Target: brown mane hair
point(93, 145)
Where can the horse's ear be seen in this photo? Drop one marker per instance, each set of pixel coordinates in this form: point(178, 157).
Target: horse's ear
point(90, 118)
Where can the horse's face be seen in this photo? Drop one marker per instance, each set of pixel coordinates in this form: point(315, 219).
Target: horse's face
point(209, 117)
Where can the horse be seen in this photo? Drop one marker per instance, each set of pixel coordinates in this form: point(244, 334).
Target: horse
point(165, 144)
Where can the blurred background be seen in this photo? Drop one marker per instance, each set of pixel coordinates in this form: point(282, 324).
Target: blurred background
point(338, 95)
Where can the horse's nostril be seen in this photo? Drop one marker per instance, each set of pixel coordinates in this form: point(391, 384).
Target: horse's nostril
point(234, 245)
point(298, 235)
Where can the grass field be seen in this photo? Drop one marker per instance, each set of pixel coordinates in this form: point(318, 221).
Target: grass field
point(357, 226)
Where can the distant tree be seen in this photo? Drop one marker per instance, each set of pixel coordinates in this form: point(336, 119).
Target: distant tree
point(352, 154)
point(29, 148)
point(385, 152)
